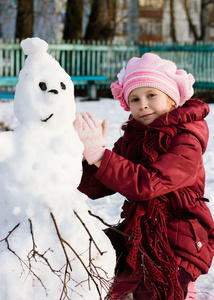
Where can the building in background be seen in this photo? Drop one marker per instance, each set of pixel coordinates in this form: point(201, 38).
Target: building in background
point(127, 21)
point(178, 19)
point(135, 20)
point(150, 20)
point(165, 20)
point(139, 20)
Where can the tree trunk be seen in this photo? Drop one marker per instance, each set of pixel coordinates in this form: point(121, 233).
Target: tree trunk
point(101, 20)
point(24, 21)
point(205, 19)
point(191, 25)
point(73, 20)
point(172, 18)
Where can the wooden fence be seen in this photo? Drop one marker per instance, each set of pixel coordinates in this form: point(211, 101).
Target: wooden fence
point(102, 58)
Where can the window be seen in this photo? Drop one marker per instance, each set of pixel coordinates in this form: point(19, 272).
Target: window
point(125, 28)
point(150, 26)
point(151, 3)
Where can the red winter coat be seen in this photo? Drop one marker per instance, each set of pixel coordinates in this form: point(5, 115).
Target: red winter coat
point(177, 174)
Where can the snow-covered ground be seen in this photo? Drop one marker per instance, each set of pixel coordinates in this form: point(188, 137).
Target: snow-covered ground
point(109, 207)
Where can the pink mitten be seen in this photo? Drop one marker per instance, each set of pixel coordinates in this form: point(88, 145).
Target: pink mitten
point(93, 134)
point(191, 294)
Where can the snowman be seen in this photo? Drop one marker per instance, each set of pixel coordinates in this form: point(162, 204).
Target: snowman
point(50, 247)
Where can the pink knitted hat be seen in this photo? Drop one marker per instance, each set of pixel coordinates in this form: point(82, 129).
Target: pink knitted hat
point(152, 71)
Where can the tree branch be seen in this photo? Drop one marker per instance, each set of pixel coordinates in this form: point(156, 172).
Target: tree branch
point(91, 238)
point(143, 254)
point(22, 262)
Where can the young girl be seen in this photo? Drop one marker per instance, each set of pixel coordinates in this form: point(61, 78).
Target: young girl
point(167, 234)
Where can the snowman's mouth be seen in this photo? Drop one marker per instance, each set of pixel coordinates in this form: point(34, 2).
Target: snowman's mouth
point(45, 120)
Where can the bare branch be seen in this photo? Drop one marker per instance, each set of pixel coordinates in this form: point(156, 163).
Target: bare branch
point(94, 274)
point(92, 270)
point(143, 254)
point(79, 258)
point(33, 253)
point(22, 262)
point(61, 241)
point(9, 233)
point(101, 253)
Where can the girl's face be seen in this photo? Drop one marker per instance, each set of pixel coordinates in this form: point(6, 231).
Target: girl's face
point(147, 104)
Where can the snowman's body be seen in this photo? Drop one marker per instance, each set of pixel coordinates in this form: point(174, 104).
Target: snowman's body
point(43, 164)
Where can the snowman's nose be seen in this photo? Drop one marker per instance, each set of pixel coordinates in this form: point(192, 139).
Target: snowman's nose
point(53, 91)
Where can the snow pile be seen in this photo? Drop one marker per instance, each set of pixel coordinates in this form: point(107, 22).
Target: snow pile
point(46, 251)
point(109, 207)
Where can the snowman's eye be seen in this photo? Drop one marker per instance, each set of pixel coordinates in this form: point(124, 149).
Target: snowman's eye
point(63, 86)
point(43, 86)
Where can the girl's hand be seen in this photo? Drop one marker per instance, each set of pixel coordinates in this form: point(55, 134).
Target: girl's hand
point(93, 134)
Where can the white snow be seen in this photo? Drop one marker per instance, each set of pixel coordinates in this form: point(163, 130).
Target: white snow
point(45, 248)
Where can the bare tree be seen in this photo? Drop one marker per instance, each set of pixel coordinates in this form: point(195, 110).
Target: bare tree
point(101, 23)
point(24, 21)
point(73, 20)
point(205, 21)
point(8, 12)
point(172, 22)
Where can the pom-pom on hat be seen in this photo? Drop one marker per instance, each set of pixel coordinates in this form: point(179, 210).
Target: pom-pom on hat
point(152, 71)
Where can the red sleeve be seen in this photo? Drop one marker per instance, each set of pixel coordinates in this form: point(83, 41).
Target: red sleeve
point(90, 185)
point(178, 168)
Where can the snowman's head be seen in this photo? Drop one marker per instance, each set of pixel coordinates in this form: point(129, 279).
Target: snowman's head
point(44, 91)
